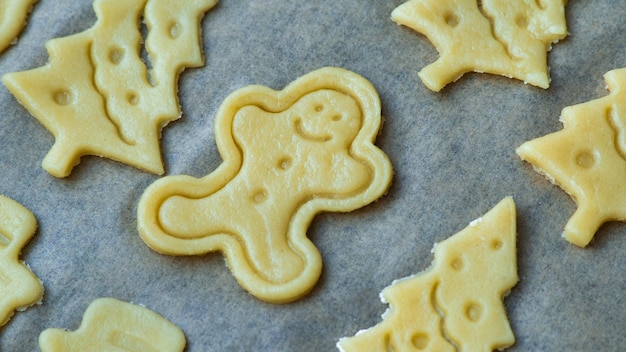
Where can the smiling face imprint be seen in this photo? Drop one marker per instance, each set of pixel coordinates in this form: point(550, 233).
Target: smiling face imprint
point(330, 116)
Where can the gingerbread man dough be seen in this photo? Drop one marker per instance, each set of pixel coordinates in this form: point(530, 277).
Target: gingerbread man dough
point(288, 155)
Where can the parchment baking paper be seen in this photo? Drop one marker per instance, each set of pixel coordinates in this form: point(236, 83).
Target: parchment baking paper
point(453, 154)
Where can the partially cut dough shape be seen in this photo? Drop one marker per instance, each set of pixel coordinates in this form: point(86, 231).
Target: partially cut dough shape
point(587, 159)
point(288, 155)
point(19, 287)
point(504, 37)
point(455, 305)
point(111, 325)
point(13, 15)
point(97, 96)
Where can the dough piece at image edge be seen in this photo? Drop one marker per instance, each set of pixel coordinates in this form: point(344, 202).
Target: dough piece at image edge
point(587, 159)
point(19, 287)
point(456, 304)
point(97, 96)
point(112, 325)
point(288, 155)
point(503, 37)
point(13, 16)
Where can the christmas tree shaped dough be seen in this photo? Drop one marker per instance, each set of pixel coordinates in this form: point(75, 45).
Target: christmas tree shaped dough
point(19, 287)
point(587, 159)
point(455, 305)
point(112, 325)
point(288, 155)
point(97, 96)
point(504, 37)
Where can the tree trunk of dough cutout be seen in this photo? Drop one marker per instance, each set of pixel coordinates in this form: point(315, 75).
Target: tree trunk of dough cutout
point(112, 325)
point(19, 287)
point(587, 159)
point(96, 95)
point(503, 37)
point(288, 155)
point(13, 15)
point(456, 304)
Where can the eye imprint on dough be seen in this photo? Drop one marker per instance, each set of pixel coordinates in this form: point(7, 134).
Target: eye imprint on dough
point(174, 30)
point(586, 160)
point(521, 21)
point(133, 99)
point(496, 244)
point(260, 196)
point(389, 344)
point(451, 19)
point(457, 264)
point(62, 97)
point(116, 55)
point(284, 163)
point(420, 340)
point(473, 312)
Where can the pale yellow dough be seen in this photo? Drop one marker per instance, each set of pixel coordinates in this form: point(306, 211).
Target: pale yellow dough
point(588, 159)
point(13, 15)
point(97, 96)
point(456, 305)
point(110, 325)
point(504, 37)
point(288, 155)
point(19, 287)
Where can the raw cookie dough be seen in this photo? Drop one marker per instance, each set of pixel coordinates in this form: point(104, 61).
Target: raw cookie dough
point(13, 15)
point(504, 37)
point(455, 305)
point(288, 155)
point(97, 96)
point(112, 325)
point(19, 287)
point(587, 159)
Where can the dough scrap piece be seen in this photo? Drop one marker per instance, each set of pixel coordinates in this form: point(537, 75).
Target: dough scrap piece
point(97, 96)
point(13, 15)
point(587, 159)
point(288, 155)
point(112, 325)
point(456, 305)
point(504, 37)
point(19, 287)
